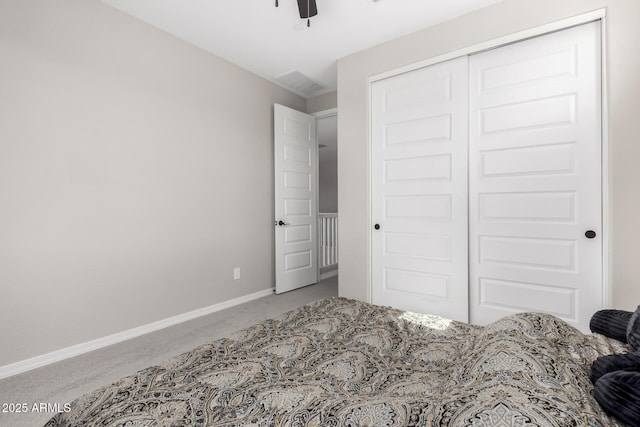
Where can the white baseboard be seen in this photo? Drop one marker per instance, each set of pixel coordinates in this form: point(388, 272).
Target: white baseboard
point(75, 350)
point(328, 274)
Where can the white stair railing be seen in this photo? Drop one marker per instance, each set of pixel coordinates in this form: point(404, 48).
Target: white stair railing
point(328, 228)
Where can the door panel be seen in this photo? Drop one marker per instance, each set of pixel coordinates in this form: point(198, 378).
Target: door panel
point(295, 171)
point(419, 190)
point(535, 177)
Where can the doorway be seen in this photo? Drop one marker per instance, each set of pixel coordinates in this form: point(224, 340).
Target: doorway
point(327, 134)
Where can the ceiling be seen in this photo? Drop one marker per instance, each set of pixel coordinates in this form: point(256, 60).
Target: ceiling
point(272, 42)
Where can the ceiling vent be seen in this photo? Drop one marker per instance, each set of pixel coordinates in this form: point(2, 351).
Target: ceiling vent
point(301, 84)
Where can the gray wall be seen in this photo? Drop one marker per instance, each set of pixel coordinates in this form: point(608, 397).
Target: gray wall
point(135, 173)
point(328, 185)
point(322, 102)
point(510, 16)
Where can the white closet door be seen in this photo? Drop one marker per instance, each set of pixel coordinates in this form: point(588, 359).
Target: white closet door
point(419, 190)
point(535, 178)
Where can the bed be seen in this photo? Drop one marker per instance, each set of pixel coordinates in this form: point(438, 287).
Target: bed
point(340, 362)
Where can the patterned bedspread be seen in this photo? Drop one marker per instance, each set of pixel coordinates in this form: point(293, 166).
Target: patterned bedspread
point(339, 362)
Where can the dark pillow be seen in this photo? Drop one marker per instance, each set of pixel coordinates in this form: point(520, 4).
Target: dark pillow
point(614, 362)
point(633, 331)
point(619, 395)
point(611, 323)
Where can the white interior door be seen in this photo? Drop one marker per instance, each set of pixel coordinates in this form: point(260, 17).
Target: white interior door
point(535, 178)
point(296, 183)
point(419, 190)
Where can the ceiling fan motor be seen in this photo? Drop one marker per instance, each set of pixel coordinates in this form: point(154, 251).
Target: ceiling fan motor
point(307, 9)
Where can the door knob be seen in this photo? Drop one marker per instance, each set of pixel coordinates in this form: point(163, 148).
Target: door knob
point(377, 226)
point(590, 234)
point(281, 223)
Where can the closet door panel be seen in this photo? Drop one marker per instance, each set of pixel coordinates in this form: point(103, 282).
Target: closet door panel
point(535, 178)
point(419, 190)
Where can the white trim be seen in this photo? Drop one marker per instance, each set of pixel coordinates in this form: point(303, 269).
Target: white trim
point(607, 226)
point(75, 350)
point(325, 113)
point(328, 274)
point(369, 279)
point(500, 41)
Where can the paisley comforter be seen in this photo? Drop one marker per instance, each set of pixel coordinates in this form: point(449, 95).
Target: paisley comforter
point(339, 362)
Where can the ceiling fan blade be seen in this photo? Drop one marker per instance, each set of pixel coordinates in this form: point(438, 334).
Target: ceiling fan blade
point(311, 11)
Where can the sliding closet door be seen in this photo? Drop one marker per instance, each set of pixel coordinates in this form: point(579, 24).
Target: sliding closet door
point(419, 190)
point(535, 178)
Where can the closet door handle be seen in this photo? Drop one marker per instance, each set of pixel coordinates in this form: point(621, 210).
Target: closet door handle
point(590, 234)
point(377, 226)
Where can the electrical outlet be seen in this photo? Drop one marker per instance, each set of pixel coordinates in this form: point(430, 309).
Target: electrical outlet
point(236, 273)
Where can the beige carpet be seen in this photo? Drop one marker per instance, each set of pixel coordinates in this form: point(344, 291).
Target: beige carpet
point(67, 380)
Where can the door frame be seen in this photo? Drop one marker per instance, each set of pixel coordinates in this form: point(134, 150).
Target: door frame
point(595, 15)
point(321, 115)
point(325, 113)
